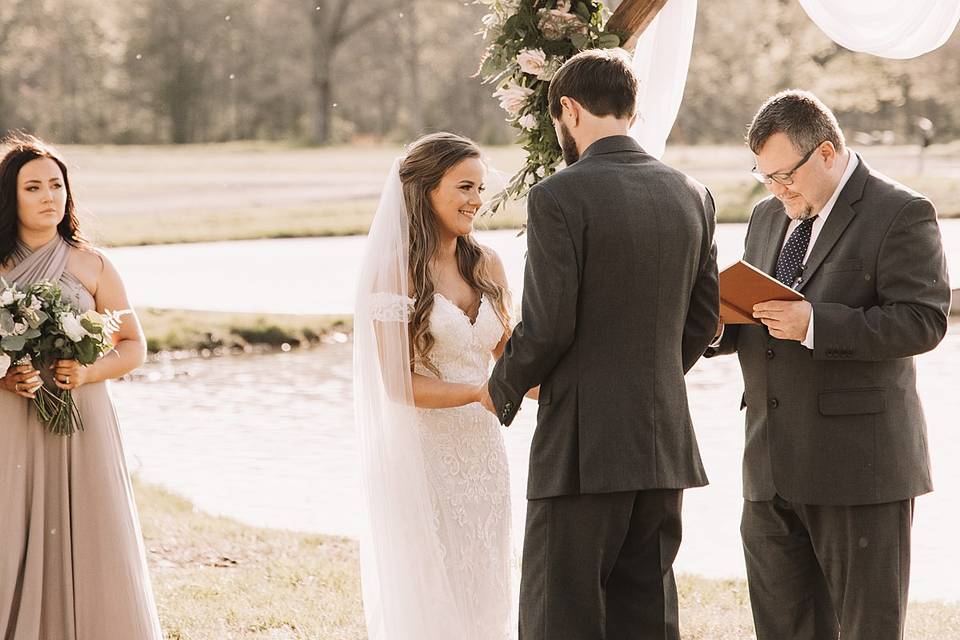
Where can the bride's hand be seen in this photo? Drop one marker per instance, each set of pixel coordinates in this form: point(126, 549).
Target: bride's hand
point(483, 397)
point(22, 380)
point(69, 374)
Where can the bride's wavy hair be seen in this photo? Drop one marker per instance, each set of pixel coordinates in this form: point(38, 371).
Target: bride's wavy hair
point(21, 148)
point(426, 162)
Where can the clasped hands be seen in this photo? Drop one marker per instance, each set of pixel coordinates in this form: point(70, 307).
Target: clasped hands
point(23, 380)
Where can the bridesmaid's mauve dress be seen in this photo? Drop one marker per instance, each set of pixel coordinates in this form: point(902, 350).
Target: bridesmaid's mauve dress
point(72, 563)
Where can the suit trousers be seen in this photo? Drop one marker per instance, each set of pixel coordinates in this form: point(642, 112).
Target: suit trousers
point(823, 572)
point(600, 566)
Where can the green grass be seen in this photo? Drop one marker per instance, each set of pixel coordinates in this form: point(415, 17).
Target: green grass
point(199, 193)
point(217, 579)
point(215, 332)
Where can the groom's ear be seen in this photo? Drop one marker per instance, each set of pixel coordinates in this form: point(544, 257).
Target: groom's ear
point(571, 109)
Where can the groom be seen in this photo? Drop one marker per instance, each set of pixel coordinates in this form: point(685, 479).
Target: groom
point(620, 300)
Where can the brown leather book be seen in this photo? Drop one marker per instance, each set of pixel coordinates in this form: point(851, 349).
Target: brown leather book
point(742, 285)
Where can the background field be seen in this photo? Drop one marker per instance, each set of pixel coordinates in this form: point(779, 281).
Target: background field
point(134, 195)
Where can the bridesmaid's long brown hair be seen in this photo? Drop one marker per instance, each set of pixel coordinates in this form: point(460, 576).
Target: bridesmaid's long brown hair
point(427, 161)
point(22, 148)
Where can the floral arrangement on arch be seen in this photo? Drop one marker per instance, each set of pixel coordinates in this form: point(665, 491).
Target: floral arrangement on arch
point(529, 41)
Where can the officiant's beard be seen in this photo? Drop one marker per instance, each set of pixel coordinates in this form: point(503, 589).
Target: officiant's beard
point(569, 146)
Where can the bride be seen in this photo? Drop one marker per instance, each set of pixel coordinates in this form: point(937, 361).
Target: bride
point(432, 312)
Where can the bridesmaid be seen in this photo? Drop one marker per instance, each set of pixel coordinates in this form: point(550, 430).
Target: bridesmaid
point(72, 563)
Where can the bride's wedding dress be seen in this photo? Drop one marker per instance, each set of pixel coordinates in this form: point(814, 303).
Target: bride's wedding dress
point(467, 471)
point(436, 549)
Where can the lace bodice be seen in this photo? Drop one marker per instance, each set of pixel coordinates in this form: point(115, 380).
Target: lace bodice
point(463, 350)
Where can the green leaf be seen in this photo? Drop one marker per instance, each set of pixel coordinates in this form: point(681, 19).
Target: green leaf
point(86, 352)
point(6, 321)
point(609, 41)
point(579, 41)
point(13, 343)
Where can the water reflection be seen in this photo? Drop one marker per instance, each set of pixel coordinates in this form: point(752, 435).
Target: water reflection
point(269, 439)
point(327, 268)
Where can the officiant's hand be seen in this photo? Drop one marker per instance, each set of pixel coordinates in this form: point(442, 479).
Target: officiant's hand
point(22, 380)
point(486, 400)
point(69, 374)
point(787, 320)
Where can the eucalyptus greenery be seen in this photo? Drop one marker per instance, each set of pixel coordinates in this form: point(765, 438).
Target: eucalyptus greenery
point(529, 41)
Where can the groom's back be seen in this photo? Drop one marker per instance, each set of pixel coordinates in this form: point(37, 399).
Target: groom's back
point(616, 403)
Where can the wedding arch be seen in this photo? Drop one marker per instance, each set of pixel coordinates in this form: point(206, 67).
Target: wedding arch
point(529, 39)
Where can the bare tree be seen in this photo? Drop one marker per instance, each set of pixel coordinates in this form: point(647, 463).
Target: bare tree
point(333, 23)
point(12, 15)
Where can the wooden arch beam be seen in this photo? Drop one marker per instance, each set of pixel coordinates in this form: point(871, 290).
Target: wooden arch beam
point(632, 17)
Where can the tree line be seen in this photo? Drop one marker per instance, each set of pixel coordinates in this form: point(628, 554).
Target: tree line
point(339, 71)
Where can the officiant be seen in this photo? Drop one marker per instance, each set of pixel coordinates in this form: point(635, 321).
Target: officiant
point(836, 447)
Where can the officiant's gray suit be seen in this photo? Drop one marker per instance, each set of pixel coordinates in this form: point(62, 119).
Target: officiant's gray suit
point(836, 445)
point(620, 300)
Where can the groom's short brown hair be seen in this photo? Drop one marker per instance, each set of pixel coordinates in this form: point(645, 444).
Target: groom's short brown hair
point(602, 80)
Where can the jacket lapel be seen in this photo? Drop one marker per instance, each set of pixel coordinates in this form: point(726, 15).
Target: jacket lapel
point(840, 217)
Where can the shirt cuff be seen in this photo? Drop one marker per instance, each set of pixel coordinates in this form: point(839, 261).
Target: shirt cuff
point(808, 340)
point(716, 341)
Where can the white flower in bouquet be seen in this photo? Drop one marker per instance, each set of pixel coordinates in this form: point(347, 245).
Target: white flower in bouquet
point(20, 328)
point(513, 97)
point(532, 61)
point(528, 121)
point(71, 327)
point(9, 296)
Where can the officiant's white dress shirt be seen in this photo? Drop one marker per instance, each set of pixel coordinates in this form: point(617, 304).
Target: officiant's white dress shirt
point(818, 223)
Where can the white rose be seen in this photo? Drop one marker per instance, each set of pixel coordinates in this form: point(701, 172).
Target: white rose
point(6, 297)
point(5, 363)
point(513, 97)
point(20, 328)
point(532, 61)
point(72, 327)
point(528, 121)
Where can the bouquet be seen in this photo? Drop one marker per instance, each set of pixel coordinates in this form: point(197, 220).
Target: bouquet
point(39, 326)
point(529, 41)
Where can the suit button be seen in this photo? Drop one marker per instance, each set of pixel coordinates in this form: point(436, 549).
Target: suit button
point(774, 403)
point(770, 354)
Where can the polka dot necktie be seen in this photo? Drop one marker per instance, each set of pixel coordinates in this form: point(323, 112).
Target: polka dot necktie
point(791, 258)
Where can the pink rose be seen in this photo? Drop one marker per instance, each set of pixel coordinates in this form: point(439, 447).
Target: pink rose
point(532, 61)
point(513, 97)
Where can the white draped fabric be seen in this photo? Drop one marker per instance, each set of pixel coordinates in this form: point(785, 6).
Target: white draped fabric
point(661, 61)
point(887, 28)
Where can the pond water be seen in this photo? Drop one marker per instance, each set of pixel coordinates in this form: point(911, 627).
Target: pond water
point(269, 440)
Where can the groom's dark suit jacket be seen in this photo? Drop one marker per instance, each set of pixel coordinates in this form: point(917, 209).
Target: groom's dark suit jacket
point(620, 299)
point(842, 424)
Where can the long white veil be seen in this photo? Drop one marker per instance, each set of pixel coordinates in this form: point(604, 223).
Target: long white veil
point(406, 594)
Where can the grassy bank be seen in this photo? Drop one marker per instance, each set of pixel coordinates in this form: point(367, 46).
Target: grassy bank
point(216, 579)
point(210, 332)
point(213, 333)
point(196, 193)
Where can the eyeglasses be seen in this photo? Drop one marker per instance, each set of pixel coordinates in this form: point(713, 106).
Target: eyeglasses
point(781, 177)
